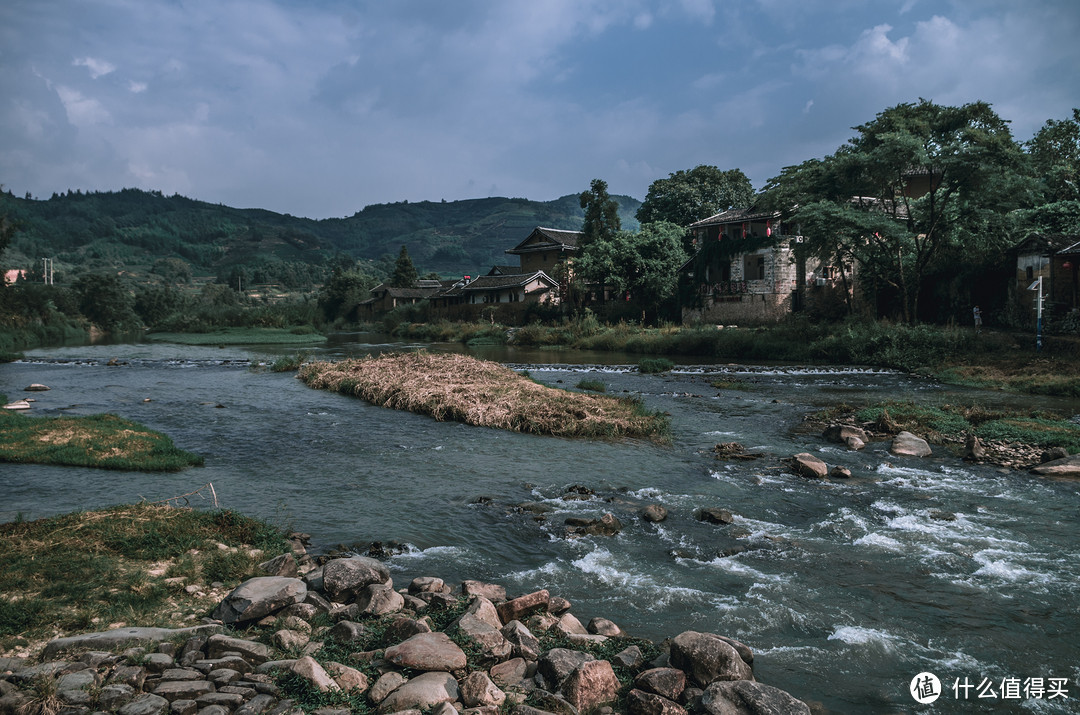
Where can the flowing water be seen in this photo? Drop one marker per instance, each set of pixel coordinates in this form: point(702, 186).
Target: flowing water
point(845, 589)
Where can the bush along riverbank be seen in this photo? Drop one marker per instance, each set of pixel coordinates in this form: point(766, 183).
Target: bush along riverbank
point(483, 393)
point(334, 635)
point(993, 359)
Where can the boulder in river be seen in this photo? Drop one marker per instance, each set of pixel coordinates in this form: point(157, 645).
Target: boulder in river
point(906, 444)
point(1067, 467)
point(842, 433)
point(809, 466)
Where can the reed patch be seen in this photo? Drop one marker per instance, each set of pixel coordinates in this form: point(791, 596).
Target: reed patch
point(460, 388)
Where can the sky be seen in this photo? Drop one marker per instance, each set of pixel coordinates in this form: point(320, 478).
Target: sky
point(318, 108)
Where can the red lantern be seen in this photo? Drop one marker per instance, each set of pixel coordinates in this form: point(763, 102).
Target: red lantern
point(1067, 265)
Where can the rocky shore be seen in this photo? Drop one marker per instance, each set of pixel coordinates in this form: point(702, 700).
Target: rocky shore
point(337, 637)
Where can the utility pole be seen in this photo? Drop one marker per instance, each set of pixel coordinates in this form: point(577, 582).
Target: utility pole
point(1037, 285)
point(47, 270)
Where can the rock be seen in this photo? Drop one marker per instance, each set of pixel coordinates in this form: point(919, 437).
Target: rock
point(654, 513)
point(668, 682)
point(36, 387)
point(490, 591)
point(1067, 467)
point(604, 627)
point(426, 584)
point(974, 451)
point(386, 684)
point(481, 624)
point(808, 466)
point(477, 690)
point(18, 405)
point(308, 669)
point(422, 692)
point(286, 639)
point(120, 638)
point(590, 685)
point(558, 606)
point(145, 704)
point(343, 579)
point(520, 607)
point(403, 628)
point(639, 702)
point(283, 565)
point(630, 657)
point(525, 644)
point(840, 473)
point(183, 689)
point(556, 665)
point(906, 444)
point(744, 696)
point(509, 672)
point(349, 679)
point(259, 597)
point(940, 515)
point(112, 697)
point(347, 632)
point(706, 657)
point(218, 645)
point(569, 625)
point(606, 525)
point(1053, 454)
point(841, 433)
point(714, 515)
point(379, 600)
point(854, 443)
point(427, 651)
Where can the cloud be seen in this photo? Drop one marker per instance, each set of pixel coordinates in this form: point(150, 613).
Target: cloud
point(98, 68)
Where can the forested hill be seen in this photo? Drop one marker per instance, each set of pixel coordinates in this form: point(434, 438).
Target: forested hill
point(133, 229)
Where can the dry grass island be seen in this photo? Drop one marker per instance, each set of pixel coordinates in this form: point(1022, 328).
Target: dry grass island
point(487, 394)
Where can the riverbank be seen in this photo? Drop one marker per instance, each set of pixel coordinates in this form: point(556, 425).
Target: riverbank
point(991, 359)
point(482, 393)
point(317, 633)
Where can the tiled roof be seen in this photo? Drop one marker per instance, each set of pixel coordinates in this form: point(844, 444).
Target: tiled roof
point(550, 238)
point(512, 281)
point(505, 270)
point(735, 216)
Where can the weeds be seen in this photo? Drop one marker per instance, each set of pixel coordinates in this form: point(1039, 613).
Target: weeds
point(654, 365)
point(592, 385)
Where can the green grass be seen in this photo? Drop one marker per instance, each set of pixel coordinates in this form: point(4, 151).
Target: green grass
point(289, 363)
point(103, 441)
point(654, 365)
point(592, 385)
point(955, 421)
point(85, 570)
point(242, 336)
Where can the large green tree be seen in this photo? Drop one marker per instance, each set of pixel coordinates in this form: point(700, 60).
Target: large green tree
point(918, 182)
point(405, 274)
point(643, 264)
point(1055, 165)
point(688, 196)
point(601, 213)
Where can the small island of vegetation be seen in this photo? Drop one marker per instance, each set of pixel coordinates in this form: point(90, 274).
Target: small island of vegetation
point(104, 441)
point(487, 394)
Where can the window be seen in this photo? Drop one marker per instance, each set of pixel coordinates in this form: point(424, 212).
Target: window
point(1030, 273)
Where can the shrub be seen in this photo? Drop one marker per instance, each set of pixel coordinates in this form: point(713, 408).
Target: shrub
point(655, 365)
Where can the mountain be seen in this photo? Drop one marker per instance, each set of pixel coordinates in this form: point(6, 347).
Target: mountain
point(134, 229)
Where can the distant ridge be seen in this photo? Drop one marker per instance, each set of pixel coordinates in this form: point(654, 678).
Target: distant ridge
point(133, 228)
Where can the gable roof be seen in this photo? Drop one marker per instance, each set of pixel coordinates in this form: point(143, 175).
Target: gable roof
point(547, 239)
point(1047, 243)
point(735, 216)
point(498, 270)
point(512, 281)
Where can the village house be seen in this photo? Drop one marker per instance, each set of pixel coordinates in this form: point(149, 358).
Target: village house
point(746, 270)
point(510, 291)
point(1056, 259)
point(385, 298)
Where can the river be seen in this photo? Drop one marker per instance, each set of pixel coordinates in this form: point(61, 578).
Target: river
point(845, 589)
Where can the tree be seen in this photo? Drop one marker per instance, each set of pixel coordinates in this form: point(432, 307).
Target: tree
point(601, 214)
point(1055, 153)
point(343, 292)
point(405, 274)
point(688, 196)
point(644, 265)
point(918, 180)
point(105, 301)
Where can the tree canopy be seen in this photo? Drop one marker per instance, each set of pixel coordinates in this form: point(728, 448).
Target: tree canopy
point(688, 196)
point(917, 181)
point(601, 213)
point(404, 271)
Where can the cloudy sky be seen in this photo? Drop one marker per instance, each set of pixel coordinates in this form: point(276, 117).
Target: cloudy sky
point(321, 107)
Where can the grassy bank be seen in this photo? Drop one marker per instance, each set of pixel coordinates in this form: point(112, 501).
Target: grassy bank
point(243, 336)
point(477, 392)
point(954, 422)
point(125, 564)
point(955, 355)
point(104, 441)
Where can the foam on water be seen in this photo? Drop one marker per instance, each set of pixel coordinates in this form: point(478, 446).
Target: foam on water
point(860, 636)
point(880, 541)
